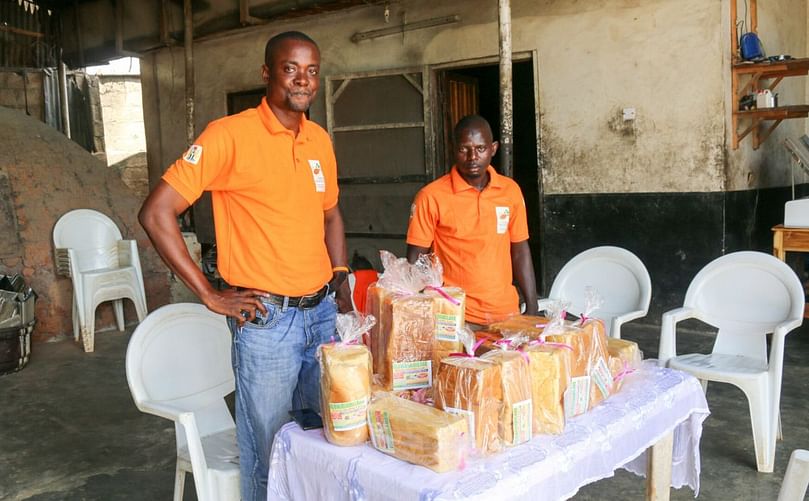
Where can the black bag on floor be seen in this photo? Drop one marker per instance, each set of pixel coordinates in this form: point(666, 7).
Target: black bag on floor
point(17, 321)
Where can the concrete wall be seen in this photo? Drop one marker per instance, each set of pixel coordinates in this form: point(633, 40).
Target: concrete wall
point(664, 58)
point(122, 109)
point(17, 88)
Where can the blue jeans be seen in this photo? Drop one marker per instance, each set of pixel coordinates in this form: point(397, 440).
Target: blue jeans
point(276, 371)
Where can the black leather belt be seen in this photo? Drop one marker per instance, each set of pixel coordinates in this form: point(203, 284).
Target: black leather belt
point(303, 302)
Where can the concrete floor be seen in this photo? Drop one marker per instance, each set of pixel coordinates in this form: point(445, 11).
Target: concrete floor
point(70, 431)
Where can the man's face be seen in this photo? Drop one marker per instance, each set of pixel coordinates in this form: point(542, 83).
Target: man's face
point(294, 78)
point(473, 152)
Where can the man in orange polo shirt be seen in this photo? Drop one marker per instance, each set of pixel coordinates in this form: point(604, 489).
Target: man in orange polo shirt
point(272, 175)
point(474, 219)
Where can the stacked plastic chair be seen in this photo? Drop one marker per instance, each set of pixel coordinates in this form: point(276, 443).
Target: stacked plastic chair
point(103, 267)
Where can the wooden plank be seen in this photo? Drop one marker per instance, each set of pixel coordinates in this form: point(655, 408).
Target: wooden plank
point(658, 469)
point(410, 178)
point(398, 125)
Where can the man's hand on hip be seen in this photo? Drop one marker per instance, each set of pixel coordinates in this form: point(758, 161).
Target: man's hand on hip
point(239, 304)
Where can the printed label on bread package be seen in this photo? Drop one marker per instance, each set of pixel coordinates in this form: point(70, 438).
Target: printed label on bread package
point(521, 421)
point(503, 214)
point(577, 396)
point(381, 434)
point(470, 420)
point(412, 375)
point(447, 326)
point(602, 377)
point(348, 415)
point(317, 175)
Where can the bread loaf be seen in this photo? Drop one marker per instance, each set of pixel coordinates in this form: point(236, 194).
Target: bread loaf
point(516, 414)
point(624, 356)
point(472, 387)
point(589, 359)
point(407, 357)
point(549, 370)
point(529, 325)
point(449, 320)
point(417, 433)
point(345, 388)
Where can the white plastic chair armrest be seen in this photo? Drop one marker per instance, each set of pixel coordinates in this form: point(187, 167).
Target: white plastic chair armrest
point(618, 321)
point(788, 326)
point(543, 304)
point(168, 411)
point(125, 252)
point(195, 450)
point(668, 328)
point(626, 317)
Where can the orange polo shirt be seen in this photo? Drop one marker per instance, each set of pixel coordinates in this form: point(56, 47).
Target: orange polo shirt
point(472, 231)
point(269, 190)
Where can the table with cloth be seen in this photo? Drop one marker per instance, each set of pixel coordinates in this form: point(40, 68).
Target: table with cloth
point(655, 406)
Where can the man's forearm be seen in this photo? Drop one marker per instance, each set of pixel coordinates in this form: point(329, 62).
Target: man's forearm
point(160, 223)
point(523, 267)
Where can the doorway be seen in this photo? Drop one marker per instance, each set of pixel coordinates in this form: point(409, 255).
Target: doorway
point(466, 90)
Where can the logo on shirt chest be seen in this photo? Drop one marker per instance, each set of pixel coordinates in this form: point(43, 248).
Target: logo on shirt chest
point(503, 216)
point(317, 176)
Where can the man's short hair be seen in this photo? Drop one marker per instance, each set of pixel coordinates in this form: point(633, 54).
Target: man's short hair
point(274, 42)
point(470, 121)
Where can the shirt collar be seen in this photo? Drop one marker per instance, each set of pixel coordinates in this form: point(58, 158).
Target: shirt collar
point(460, 184)
point(271, 122)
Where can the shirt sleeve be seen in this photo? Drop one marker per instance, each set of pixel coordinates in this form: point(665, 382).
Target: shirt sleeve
point(423, 221)
point(518, 226)
point(204, 166)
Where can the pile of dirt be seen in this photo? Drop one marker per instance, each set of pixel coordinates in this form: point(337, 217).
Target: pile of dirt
point(43, 174)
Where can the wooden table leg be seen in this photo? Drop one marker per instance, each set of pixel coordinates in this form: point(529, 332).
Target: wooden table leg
point(778, 245)
point(658, 469)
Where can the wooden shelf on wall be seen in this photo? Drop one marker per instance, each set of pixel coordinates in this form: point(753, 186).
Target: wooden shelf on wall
point(749, 78)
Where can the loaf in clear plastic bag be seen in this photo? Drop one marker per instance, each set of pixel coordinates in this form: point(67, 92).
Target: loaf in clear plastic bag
point(625, 359)
point(516, 412)
point(345, 381)
point(470, 386)
point(402, 343)
point(417, 433)
point(591, 381)
point(449, 307)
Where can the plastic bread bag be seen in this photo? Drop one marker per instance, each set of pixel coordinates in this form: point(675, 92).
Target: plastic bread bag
point(590, 380)
point(549, 368)
point(516, 413)
point(450, 306)
point(345, 381)
point(471, 387)
point(402, 345)
point(531, 326)
point(598, 363)
point(625, 359)
point(417, 433)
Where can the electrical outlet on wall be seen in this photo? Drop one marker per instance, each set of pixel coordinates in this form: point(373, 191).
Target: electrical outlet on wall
point(629, 114)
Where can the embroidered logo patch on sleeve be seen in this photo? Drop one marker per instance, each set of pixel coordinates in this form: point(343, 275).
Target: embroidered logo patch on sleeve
point(193, 154)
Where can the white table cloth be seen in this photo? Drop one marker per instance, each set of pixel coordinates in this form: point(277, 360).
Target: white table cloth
point(615, 434)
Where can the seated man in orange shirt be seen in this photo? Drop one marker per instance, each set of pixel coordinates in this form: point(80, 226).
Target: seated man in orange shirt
point(474, 219)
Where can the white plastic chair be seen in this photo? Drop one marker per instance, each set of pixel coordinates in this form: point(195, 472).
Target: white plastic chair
point(103, 267)
point(178, 367)
point(745, 295)
point(796, 478)
point(616, 274)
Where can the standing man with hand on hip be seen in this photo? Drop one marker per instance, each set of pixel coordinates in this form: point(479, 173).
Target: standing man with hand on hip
point(280, 242)
point(474, 219)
